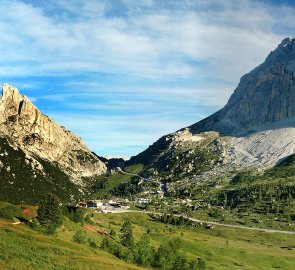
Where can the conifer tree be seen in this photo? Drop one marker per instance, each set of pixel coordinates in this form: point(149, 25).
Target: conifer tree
point(50, 212)
point(127, 239)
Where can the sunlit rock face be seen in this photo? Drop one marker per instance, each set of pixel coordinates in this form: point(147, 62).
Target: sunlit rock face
point(265, 95)
point(38, 135)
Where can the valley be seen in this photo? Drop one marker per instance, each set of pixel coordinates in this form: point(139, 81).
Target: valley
point(219, 194)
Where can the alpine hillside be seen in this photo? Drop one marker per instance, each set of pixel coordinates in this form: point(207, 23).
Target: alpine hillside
point(256, 128)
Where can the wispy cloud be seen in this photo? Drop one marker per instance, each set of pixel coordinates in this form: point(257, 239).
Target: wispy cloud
point(168, 63)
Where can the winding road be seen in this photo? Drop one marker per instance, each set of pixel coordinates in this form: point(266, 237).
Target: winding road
point(142, 178)
point(208, 222)
point(194, 219)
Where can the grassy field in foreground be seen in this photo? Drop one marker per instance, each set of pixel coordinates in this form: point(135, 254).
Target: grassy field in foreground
point(24, 249)
point(221, 248)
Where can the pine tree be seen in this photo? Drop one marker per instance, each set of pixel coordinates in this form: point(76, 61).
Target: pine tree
point(142, 252)
point(260, 194)
point(127, 239)
point(50, 212)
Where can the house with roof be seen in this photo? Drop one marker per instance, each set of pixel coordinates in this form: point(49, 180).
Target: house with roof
point(94, 204)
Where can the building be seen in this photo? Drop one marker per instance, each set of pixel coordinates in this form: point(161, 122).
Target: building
point(142, 200)
point(83, 204)
point(94, 204)
point(113, 201)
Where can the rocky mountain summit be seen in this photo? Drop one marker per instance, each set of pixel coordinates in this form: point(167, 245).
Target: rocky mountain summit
point(256, 128)
point(37, 134)
point(43, 142)
point(264, 95)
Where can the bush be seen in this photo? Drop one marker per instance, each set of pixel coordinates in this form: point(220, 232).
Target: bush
point(89, 220)
point(143, 254)
point(34, 224)
point(167, 254)
point(92, 243)
point(216, 213)
point(113, 233)
point(116, 249)
point(166, 257)
point(80, 237)
point(201, 265)
point(8, 212)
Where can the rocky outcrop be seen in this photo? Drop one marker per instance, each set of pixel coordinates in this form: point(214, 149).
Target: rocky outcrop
point(181, 154)
point(263, 96)
point(38, 135)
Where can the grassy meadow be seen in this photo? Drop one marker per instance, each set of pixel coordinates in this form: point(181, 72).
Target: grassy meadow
point(21, 247)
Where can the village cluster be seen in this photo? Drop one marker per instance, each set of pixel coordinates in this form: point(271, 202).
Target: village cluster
point(107, 205)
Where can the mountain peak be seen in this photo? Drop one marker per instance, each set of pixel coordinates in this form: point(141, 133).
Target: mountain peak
point(40, 136)
point(265, 95)
point(286, 42)
point(283, 54)
point(8, 88)
point(13, 103)
point(10, 92)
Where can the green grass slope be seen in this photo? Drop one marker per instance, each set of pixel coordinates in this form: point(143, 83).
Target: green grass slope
point(26, 249)
point(221, 248)
point(116, 183)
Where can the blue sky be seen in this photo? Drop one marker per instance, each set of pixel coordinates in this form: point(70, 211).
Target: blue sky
point(122, 73)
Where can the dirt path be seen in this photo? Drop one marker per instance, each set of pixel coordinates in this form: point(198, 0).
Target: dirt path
point(142, 178)
point(6, 222)
point(91, 228)
point(241, 227)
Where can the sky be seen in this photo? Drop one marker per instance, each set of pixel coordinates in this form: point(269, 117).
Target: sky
point(123, 73)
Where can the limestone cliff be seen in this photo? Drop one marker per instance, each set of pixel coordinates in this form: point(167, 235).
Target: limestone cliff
point(264, 95)
point(256, 128)
point(38, 135)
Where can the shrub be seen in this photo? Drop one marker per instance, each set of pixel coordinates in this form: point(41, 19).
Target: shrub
point(142, 252)
point(34, 224)
point(92, 243)
point(116, 249)
point(8, 212)
point(89, 220)
point(79, 215)
point(167, 254)
point(80, 237)
point(113, 233)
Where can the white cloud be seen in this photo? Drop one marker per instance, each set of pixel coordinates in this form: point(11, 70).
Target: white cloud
point(159, 43)
point(176, 54)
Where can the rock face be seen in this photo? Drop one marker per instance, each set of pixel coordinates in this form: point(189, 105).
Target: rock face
point(256, 128)
point(38, 135)
point(263, 96)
